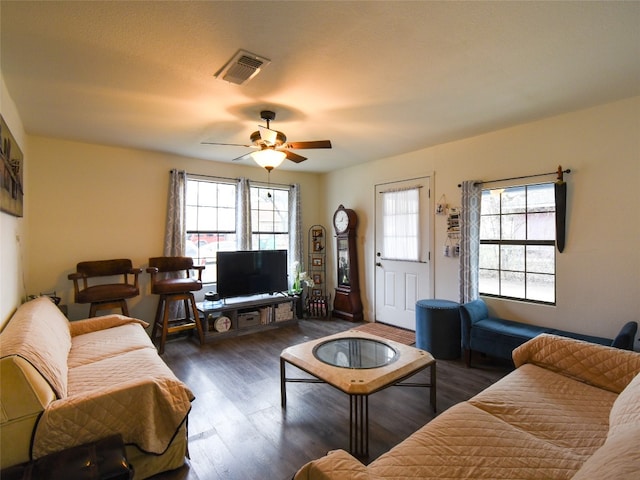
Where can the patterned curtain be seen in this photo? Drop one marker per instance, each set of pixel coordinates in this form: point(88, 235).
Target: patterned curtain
point(243, 215)
point(176, 230)
point(295, 231)
point(469, 240)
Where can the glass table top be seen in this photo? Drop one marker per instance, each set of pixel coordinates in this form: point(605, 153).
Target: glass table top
point(355, 353)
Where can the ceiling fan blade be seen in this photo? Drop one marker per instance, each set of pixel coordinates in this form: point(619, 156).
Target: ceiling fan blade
point(267, 135)
point(225, 144)
point(314, 144)
point(241, 157)
point(294, 157)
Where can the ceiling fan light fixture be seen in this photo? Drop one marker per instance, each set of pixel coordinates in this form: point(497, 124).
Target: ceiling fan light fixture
point(269, 158)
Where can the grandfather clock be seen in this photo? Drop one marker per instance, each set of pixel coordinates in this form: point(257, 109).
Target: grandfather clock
point(347, 303)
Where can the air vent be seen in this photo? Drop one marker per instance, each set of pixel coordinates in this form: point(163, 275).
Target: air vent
point(242, 67)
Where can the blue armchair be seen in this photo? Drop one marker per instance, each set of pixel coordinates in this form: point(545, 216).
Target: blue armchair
point(498, 337)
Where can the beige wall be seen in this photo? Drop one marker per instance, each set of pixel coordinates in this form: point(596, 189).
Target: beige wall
point(12, 251)
point(598, 275)
point(87, 201)
point(91, 202)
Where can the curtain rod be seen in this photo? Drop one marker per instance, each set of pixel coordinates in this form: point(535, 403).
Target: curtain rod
point(559, 172)
point(236, 179)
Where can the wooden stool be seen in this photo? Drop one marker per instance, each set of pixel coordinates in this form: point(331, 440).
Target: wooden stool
point(174, 286)
point(169, 326)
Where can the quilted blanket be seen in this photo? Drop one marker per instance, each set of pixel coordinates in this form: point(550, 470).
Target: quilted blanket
point(134, 394)
point(567, 411)
point(106, 375)
point(116, 384)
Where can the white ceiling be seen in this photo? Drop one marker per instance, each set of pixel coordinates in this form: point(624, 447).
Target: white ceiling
point(376, 78)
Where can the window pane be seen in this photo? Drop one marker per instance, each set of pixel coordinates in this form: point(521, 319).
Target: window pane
point(227, 219)
point(541, 259)
point(207, 194)
point(489, 256)
point(514, 200)
point(207, 218)
point(281, 241)
point(512, 258)
point(541, 287)
point(227, 196)
point(541, 198)
point(490, 202)
point(489, 282)
point(512, 284)
point(192, 217)
point(514, 227)
point(490, 227)
point(400, 220)
point(541, 226)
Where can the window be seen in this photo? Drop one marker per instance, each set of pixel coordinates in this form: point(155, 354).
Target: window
point(269, 218)
point(210, 222)
point(517, 243)
point(400, 218)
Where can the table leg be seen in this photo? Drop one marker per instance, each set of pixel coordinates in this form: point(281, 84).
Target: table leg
point(283, 384)
point(359, 425)
point(433, 386)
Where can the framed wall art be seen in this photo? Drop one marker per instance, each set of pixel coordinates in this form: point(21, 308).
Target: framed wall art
point(11, 187)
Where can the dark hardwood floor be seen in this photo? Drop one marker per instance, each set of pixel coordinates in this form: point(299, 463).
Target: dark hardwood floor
point(237, 429)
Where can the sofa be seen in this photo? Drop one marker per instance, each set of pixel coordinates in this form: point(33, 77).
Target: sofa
point(570, 410)
point(64, 384)
point(498, 337)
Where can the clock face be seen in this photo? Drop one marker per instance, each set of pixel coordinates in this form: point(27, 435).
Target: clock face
point(341, 221)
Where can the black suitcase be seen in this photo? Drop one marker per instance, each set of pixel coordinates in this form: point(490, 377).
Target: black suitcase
point(101, 460)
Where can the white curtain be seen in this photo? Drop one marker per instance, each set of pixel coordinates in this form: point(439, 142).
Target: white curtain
point(470, 240)
point(295, 231)
point(176, 229)
point(243, 215)
point(401, 224)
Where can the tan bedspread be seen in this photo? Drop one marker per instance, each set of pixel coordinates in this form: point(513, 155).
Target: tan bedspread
point(134, 394)
point(549, 419)
point(39, 333)
point(107, 376)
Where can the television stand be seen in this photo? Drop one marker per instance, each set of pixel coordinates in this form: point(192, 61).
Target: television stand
point(241, 315)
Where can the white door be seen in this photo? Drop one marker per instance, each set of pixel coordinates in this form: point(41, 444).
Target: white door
point(404, 271)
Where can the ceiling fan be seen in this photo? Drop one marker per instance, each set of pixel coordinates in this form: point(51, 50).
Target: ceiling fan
point(272, 146)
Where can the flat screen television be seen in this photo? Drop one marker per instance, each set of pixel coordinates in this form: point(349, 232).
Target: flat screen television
point(251, 272)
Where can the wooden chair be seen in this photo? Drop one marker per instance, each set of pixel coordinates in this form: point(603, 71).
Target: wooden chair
point(105, 296)
point(171, 279)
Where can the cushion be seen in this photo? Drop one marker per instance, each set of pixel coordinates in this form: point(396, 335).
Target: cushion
point(467, 442)
point(604, 367)
point(95, 346)
point(625, 413)
point(555, 408)
point(39, 333)
point(617, 459)
point(473, 311)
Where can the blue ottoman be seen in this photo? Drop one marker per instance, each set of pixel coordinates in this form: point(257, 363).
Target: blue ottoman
point(438, 328)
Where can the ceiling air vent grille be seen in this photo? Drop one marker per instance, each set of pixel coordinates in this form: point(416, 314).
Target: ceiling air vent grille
point(242, 67)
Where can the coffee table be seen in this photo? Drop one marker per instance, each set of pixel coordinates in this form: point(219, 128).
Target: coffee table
point(358, 364)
